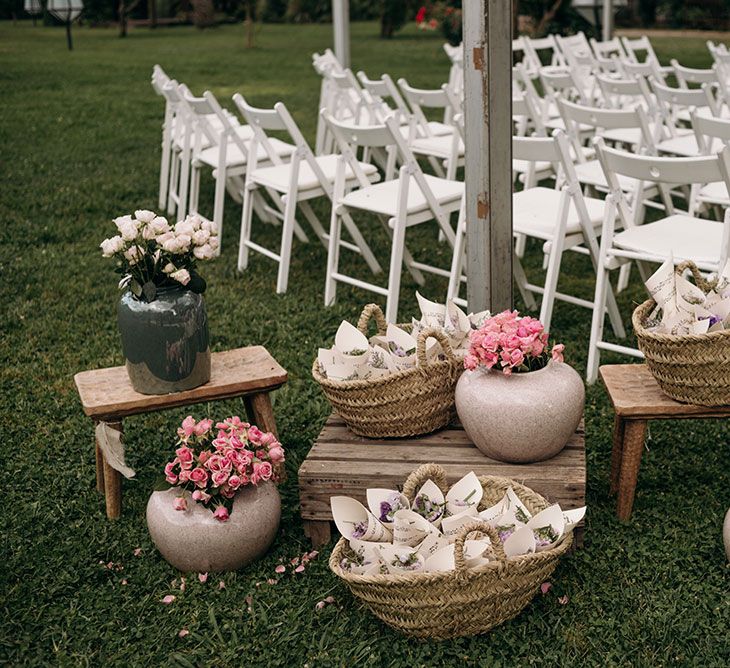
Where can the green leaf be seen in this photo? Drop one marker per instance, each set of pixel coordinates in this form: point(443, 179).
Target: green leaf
point(136, 288)
point(197, 284)
point(150, 291)
point(160, 484)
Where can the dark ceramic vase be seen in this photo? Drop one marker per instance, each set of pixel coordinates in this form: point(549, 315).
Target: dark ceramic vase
point(165, 342)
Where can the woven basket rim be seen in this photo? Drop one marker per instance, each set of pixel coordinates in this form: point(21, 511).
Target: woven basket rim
point(643, 309)
point(398, 579)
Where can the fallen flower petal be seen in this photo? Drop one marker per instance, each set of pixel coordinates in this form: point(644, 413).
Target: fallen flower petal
point(221, 585)
point(294, 561)
point(330, 599)
point(203, 577)
point(312, 554)
point(183, 633)
point(249, 600)
point(124, 582)
point(280, 569)
point(563, 600)
point(168, 599)
point(271, 581)
point(545, 587)
point(320, 605)
point(299, 569)
point(137, 551)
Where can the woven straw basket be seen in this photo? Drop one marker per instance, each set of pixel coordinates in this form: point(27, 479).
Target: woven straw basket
point(406, 403)
point(465, 601)
point(694, 368)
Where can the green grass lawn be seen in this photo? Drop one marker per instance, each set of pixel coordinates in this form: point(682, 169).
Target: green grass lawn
point(79, 144)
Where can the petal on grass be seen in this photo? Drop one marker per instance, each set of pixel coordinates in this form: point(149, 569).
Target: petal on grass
point(137, 552)
point(545, 587)
point(168, 599)
point(563, 600)
point(280, 569)
point(203, 577)
point(182, 633)
point(299, 569)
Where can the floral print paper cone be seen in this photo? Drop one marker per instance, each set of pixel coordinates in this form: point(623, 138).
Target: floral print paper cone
point(354, 520)
point(548, 526)
point(384, 503)
point(464, 493)
point(429, 502)
point(409, 528)
point(572, 517)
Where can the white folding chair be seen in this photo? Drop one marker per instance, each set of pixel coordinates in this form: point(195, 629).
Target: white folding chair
point(675, 102)
point(682, 237)
point(160, 81)
point(411, 199)
point(609, 53)
point(291, 185)
point(634, 47)
point(712, 135)
point(542, 52)
point(456, 72)
point(562, 218)
point(647, 70)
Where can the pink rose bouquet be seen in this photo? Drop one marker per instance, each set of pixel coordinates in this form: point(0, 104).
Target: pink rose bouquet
point(213, 462)
point(512, 344)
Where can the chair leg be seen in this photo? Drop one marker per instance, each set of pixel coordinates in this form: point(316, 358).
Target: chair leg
point(520, 245)
point(333, 258)
point(518, 271)
point(457, 261)
point(360, 242)
point(286, 239)
point(173, 184)
point(624, 275)
point(309, 214)
point(396, 266)
point(164, 168)
point(246, 224)
point(218, 204)
point(599, 307)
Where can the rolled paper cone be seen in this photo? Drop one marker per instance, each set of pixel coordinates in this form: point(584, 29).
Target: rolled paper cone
point(464, 493)
point(349, 338)
point(376, 497)
point(430, 491)
point(473, 551)
point(441, 560)
point(450, 525)
point(520, 542)
point(572, 517)
point(432, 313)
point(366, 549)
point(551, 517)
point(376, 568)
point(514, 503)
point(393, 555)
point(492, 513)
point(431, 544)
point(409, 528)
point(350, 514)
point(344, 371)
point(476, 320)
point(365, 371)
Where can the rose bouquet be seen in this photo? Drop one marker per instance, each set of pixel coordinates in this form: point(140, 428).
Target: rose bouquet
point(150, 253)
point(213, 462)
point(511, 343)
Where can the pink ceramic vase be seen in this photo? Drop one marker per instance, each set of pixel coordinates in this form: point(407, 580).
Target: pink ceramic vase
point(193, 540)
point(525, 417)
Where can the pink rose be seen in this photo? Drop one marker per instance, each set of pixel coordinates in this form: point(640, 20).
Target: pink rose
point(234, 482)
point(202, 427)
point(184, 476)
point(187, 429)
point(228, 492)
point(199, 476)
point(255, 477)
point(255, 435)
point(185, 456)
point(200, 495)
point(276, 454)
point(221, 513)
point(557, 352)
point(263, 470)
point(180, 503)
point(204, 456)
point(268, 439)
point(470, 362)
point(170, 473)
point(219, 478)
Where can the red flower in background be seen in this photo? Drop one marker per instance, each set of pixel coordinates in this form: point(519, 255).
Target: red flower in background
point(421, 15)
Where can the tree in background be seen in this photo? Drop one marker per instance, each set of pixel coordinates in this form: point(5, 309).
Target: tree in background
point(393, 17)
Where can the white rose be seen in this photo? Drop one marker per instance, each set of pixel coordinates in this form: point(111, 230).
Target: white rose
point(213, 242)
point(160, 225)
point(200, 237)
point(184, 227)
point(123, 220)
point(204, 252)
point(111, 246)
point(131, 255)
point(170, 245)
point(207, 226)
point(145, 216)
point(181, 276)
point(162, 238)
point(128, 230)
point(195, 220)
point(169, 268)
point(183, 242)
point(148, 232)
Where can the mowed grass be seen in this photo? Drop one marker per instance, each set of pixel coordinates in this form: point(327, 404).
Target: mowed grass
point(79, 140)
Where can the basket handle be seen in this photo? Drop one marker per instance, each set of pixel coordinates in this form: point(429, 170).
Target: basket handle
point(370, 311)
point(702, 284)
point(423, 473)
point(465, 532)
point(424, 336)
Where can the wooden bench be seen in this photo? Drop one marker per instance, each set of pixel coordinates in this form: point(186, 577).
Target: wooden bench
point(107, 395)
point(636, 399)
point(341, 463)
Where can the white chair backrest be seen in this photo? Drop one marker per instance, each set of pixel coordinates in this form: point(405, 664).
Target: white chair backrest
point(159, 79)
point(608, 48)
point(326, 62)
point(675, 99)
point(689, 75)
point(634, 46)
point(617, 93)
point(198, 114)
point(261, 120)
point(565, 82)
point(545, 47)
point(647, 70)
point(712, 133)
point(420, 98)
point(716, 49)
point(382, 89)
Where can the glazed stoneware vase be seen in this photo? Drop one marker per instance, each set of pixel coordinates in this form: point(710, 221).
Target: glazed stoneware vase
point(165, 341)
point(525, 417)
point(193, 540)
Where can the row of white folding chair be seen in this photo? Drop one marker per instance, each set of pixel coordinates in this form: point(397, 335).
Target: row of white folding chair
point(563, 218)
point(400, 203)
point(678, 236)
point(290, 186)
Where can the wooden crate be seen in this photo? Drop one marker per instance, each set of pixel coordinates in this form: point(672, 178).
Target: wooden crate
point(341, 463)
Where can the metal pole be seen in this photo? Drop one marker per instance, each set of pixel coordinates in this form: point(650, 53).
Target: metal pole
point(607, 20)
point(341, 27)
point(488, 128)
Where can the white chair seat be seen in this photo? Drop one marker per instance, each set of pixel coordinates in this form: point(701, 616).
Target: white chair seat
point(559, 124)
point(234, 156)
point(627, 135)
point(439, 146)
point(716, 193)
point(535, 211)
point(685, 145)
point(521, 166)
point(178, 132)
point(591, 173)
point(679, 235)
point(383, 197)
point(278, 177)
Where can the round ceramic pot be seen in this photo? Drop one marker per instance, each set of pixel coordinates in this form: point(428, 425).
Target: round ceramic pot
point(525, 417)
point(726, 534)
point(165, 342)
point(193, 540)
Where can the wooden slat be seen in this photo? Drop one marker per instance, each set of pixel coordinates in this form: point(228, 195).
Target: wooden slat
point(341, 463)
point(108, 392)
point(636, 395)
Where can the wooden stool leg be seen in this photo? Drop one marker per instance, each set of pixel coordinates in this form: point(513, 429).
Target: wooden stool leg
point(99, 465)
point(260, 412)
point(318, 531)
point(617, 452)
point(113, 484)
point(634, 433)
